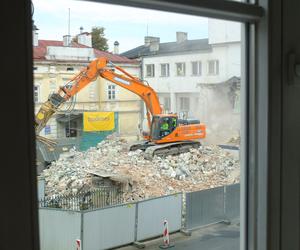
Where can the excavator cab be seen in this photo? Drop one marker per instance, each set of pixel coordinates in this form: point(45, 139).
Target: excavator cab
point(162, 126)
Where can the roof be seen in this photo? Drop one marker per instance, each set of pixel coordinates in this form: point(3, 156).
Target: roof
point(39, 52)
point(169, 48)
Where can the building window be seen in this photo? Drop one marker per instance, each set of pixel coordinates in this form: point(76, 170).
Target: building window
point(35, 68)
point(70, 69)
point(52, 87)
point(180, 69)
point(167, 103)
point(196, 68)
point(111, 92)
point(164, 69)
point(71, 129)
point(36, 94)
point(150, 70)
point(213, 67)
point(236, 104)
point(184, 103)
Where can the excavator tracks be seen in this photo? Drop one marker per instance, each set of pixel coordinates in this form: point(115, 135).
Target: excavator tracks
point(166, 149)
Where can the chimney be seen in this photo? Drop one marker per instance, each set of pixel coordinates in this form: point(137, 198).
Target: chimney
point(152, 42)
point(116, 47)
point(35, 38)
point(67, 40)
point(84, 38)
point(181, 36)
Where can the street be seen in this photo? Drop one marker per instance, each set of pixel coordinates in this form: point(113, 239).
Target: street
point(214, 237)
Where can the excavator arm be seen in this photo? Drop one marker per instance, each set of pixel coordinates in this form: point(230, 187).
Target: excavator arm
point(105, 69)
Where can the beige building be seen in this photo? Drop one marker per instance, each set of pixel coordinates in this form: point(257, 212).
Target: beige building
point(55, 62)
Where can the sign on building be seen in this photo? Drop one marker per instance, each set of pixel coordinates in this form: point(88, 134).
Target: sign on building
point(98, 121)
point(47, 130)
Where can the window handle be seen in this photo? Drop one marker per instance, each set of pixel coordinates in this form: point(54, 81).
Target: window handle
point(293, 70)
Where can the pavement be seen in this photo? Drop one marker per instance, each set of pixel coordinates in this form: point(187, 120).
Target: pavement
point(214, 237)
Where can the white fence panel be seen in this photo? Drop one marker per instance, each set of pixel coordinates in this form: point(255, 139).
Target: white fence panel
point(153, 212)
point(108, 227)
point(58, 229)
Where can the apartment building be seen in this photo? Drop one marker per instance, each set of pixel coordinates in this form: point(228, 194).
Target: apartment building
point(197, 78)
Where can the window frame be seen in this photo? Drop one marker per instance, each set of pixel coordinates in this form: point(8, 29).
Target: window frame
point(36, 90)
point(184, 68)
point(167, 70)
point(198, 67)
point(182, 102)
point(215, 67)
point(152, 71)
point(257, 32)
point(111, 92)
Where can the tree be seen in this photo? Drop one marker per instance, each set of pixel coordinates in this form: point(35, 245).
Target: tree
point(98, 38)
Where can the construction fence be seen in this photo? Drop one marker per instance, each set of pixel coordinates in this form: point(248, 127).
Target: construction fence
point(212, 206)
point(123, 224)
point(109, 227)
point(91, 199)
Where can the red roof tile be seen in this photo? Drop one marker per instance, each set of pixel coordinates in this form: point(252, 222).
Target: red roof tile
point(39, 52)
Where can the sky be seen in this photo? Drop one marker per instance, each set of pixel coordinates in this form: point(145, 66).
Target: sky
point(126, 25)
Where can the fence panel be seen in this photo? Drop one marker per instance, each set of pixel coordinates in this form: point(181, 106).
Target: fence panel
point(153, 212)
point(109, 227)
point(204, 207)
point(232, 201)
point(58, 229)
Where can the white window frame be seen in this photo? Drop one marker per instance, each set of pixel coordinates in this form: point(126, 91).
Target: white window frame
point(177, 67)
point(151, 72)
point(184, 103)
point(198, 67)
point(167, 100)
point(111, 92)
point(213, 67)
point(167, 69)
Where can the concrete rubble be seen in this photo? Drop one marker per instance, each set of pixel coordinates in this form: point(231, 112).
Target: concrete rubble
point(110, 163)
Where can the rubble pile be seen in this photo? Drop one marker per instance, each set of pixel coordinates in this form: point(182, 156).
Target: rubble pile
point(111, 162)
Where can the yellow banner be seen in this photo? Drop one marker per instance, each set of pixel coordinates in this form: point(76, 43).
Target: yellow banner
point(98, 121)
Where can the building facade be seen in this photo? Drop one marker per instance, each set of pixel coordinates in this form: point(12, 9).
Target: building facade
point(56, 62)
point(197, 78)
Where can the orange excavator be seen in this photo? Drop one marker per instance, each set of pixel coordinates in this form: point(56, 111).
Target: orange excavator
point(168, 134)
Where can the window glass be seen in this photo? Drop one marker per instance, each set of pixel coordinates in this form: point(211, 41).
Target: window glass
point(165, 69)
point(160, 120)
point(196, 68)
point(180, 69)
point(111, 92)
point(213, 67)
point(36, 93)
point(150, 70)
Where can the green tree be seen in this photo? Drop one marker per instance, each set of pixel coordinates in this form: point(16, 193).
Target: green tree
point(98, 38)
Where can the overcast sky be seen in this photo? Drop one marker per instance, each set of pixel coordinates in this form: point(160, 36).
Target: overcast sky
point(124, 24)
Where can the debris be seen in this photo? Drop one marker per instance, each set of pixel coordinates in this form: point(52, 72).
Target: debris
point(110, 163)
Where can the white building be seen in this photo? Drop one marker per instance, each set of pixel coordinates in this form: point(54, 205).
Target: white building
point(197, 78)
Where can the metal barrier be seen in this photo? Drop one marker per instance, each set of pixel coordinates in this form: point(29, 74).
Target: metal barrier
point(204, 207)
point(108, 227)
point(152, 213)
point(58, 229)
point(123, 224)
point(212, 206)
point(232, 202)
